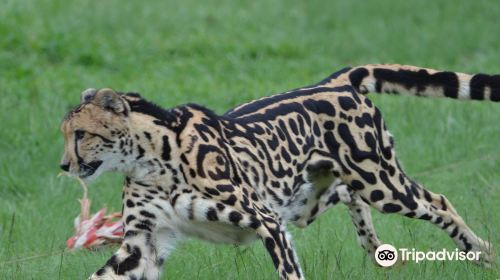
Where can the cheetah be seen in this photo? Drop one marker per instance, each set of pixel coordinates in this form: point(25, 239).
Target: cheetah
point(268, 163)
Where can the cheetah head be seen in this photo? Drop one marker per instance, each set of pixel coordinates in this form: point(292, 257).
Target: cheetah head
point(94, 134)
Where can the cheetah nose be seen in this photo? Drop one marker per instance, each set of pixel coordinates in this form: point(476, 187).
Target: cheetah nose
point(64, 166)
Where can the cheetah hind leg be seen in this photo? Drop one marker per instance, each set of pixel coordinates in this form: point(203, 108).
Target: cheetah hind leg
point(362, 221)
point(359, 211)
point(462, 235)
point(400, 194)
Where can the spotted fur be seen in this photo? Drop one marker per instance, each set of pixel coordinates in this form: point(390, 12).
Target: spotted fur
point(249, 173)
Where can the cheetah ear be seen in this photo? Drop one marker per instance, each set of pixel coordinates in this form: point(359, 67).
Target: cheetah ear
point(108, 99)
point(87, 95)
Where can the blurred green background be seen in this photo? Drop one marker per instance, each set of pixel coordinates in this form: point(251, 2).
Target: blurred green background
point(219, 54)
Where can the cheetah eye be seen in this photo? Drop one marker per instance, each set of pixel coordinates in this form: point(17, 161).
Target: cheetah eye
point(79, 134)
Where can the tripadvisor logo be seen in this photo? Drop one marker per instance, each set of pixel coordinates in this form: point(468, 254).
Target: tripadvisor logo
point(386, 255)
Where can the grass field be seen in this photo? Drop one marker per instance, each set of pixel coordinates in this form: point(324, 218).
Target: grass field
point(221, 53)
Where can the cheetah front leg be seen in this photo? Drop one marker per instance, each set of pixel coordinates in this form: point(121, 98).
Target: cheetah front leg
point(141, 256)
point(279, 246)
point(147, 241)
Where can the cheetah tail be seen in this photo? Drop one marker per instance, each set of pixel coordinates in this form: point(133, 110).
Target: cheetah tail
point(412, 80)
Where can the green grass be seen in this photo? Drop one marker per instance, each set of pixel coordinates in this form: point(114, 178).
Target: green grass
point(219, 54)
